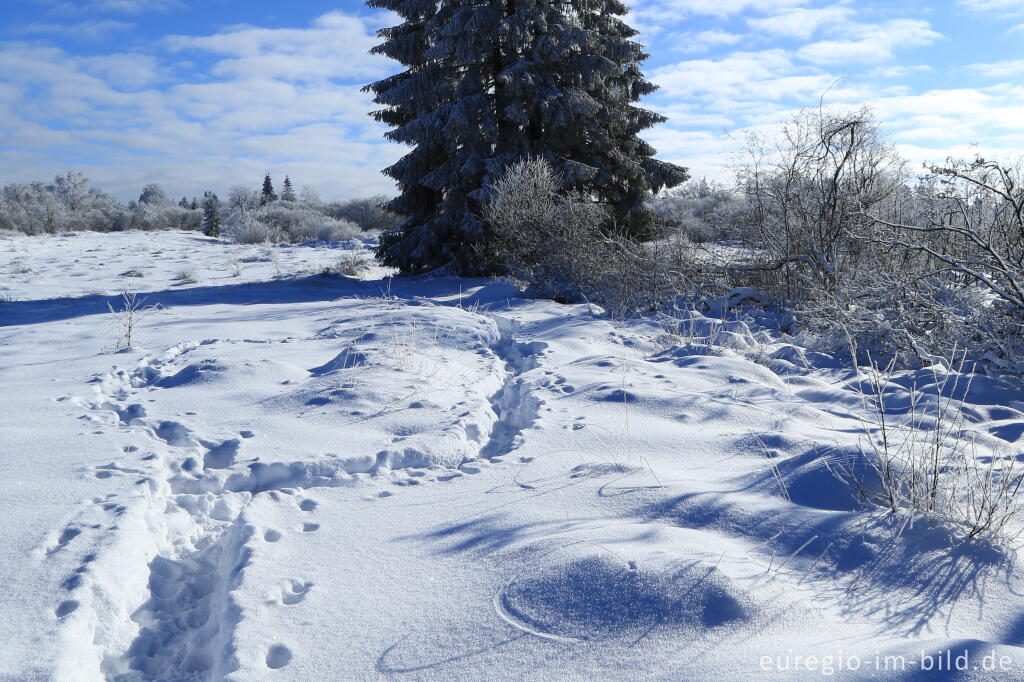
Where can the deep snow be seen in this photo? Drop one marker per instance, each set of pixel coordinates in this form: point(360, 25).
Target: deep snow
point(307, 477)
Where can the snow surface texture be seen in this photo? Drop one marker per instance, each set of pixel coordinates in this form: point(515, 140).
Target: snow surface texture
point(305, 477)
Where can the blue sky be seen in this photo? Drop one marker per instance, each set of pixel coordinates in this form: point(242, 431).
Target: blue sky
point(204, 94)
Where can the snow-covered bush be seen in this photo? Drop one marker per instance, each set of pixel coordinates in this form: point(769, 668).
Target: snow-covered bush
point(369, 214)
point(148, 216)
point(548, 240)
point(560, 245)
point(243, 199)
point(286, 222)
point(247, 229)
point(154, 195)
point(350, 265)
point(941, 267)
point(68, 204)
point(860, 258)
point(703, 211)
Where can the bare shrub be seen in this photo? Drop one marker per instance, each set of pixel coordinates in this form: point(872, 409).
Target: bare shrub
point(127, 317)
point(807, 191)
point(922, 458)
point(972, 228)
point(350, 265)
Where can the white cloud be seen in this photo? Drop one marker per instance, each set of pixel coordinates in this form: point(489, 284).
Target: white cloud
point(718, 38)
point(1004, 69)
point(287, 100)
point(899, 71)
point(336, 45)
point(719, 8)
point(738, 90)
point(83, 30)
point(801, 22)
point(870, 42)
point(691, 43)
point(114, 6)
point(123, 71)
point(1002, 6)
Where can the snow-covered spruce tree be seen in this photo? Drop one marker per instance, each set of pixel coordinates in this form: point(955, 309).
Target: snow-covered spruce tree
point(269, 196)
point(491, 82)
point(287, 191)
point(211, 215)
point(425, 238)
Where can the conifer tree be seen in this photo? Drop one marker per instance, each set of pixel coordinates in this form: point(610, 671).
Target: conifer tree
point(211, 215)
point(490, 82)
point(269, 195)
point(287, 191)
point(195, 204)
point(184, 203)
point(424, 237)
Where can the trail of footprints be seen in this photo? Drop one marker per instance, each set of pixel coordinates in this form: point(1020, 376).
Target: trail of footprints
point(183, 587)
point(180, 614)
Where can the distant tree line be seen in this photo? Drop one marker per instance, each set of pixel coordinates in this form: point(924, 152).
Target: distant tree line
point(70, 203)
point(262, 215)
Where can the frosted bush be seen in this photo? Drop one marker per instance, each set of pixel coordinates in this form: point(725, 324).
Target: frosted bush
point(368, 214)
point(69, 204)
point(287, 223)
point(247, 229)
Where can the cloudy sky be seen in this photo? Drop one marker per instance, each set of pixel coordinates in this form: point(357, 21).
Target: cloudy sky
point(199, 94)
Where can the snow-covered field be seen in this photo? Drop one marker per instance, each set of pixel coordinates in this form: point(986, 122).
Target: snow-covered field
point(306, 477)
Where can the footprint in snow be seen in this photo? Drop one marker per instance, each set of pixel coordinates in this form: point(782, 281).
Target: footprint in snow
point(66, 536)
point(295, 591)
point(220, 455)
point(272, 535)
point(310, 527)
point(278, 656)
point(308, 505)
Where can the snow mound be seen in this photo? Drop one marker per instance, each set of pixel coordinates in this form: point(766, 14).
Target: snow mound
point(601, 597)
point(196, 373)
point(346, 359)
